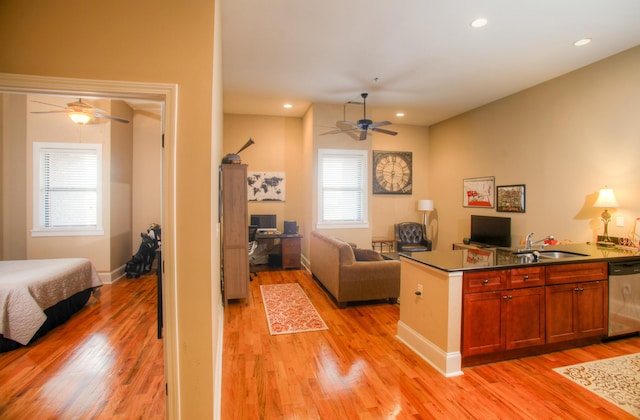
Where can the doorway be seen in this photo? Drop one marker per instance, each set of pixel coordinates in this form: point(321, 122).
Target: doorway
point(165, 94)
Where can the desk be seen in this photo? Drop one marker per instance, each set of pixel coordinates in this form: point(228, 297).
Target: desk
point(289, 248)
point(381, 241)
point(159, 277)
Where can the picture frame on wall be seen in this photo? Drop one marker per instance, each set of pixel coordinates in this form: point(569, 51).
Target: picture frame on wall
point(478, 192)
point(510, 198)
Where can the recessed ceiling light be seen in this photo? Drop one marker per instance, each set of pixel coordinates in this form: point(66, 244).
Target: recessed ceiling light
point(581, 42)
point(479, 23)
point(288, 106)
point(400, 114)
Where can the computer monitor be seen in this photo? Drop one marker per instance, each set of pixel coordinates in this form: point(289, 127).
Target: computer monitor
point(264, 221)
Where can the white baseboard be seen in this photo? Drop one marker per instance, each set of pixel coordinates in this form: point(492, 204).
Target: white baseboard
point(448, 364)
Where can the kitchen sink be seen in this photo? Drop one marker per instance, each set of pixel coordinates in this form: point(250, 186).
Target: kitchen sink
point(551, 254)
point(560, 254)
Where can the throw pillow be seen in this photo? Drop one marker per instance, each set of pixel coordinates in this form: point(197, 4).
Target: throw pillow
point(362, 254)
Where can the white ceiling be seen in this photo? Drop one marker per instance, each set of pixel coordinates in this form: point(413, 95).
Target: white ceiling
point(429, 62)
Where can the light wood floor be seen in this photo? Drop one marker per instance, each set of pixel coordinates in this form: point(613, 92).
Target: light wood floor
point(104, 362)
point(357, 369)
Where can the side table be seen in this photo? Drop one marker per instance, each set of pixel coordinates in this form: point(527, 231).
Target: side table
point(382, 242)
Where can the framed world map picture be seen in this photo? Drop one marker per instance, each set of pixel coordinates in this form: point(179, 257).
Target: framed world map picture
point(392, 172)
point(265, 186)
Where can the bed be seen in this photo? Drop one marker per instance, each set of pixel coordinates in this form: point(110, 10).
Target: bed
point(38, 295)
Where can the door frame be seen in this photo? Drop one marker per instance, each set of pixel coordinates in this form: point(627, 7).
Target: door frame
point(167, 94)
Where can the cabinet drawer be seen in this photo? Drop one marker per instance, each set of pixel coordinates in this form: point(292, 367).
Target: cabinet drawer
point(574, 273)
point(526, 277)
point(290, 245)
point(484, 281)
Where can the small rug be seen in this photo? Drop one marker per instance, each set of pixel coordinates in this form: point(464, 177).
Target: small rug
point(616, 379)
point(289, 310)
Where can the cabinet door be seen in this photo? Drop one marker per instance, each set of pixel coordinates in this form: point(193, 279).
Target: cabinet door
point(592, 316)
point(576, 310)
point(561, 310)
point(524, 317)
point(482, 323)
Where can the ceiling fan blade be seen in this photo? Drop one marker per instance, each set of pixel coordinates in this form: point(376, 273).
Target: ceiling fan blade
point(46, 103)
point(379, 124)
point(383, 131)
point(363, 134)
point(110, 117)
point(48, 112)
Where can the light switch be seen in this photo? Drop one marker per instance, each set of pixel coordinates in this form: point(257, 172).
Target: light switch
point(620, 221)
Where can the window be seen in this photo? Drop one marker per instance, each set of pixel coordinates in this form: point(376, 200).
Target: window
point(342, 188)
point(67, 190)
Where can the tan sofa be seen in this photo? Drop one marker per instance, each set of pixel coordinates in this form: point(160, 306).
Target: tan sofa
point(352, 274)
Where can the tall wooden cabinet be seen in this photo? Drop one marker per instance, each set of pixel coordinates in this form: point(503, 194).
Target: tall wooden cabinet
point(235, 233)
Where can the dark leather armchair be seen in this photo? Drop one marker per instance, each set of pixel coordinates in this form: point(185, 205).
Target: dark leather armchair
point(410, 237)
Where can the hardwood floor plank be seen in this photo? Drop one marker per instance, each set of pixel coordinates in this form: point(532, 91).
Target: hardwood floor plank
point(357, 369)
point(104, 362)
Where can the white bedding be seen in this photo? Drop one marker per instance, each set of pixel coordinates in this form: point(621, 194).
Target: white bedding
point(28, 287)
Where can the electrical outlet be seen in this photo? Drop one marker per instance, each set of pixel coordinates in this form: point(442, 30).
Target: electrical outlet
point(420, 290)
point(626, 289)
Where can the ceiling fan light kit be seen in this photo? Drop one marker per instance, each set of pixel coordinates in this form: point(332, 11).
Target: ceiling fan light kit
point(79, 117)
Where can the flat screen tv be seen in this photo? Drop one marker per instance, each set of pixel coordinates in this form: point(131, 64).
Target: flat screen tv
point(264, 221)
point(491, 230)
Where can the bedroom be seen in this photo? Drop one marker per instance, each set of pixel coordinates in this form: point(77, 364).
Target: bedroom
point(131, 179)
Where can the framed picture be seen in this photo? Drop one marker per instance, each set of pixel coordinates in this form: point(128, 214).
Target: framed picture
point(478, 192)
point(510, 198)
point(265, 186)
point(392, 172)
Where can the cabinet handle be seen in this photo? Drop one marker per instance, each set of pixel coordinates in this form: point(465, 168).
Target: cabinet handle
point(526, 277)
point(485, 281)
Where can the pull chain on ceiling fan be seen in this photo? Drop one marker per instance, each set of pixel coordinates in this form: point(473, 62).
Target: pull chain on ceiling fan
point(364, 125)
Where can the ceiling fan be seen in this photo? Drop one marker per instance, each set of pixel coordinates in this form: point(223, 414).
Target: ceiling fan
point(364, 124)
point(80, 112)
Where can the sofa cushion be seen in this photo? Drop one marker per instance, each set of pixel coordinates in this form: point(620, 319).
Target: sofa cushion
point(363, 254)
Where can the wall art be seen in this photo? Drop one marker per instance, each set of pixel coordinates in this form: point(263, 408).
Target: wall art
point(478, 192)
point(266, 186)
point(510, 198)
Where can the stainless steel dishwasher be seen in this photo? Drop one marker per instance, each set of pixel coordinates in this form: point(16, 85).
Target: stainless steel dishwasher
point(624, 298)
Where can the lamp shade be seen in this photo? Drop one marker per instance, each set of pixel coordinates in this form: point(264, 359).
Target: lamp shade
point(606, 199)
point(425, 205)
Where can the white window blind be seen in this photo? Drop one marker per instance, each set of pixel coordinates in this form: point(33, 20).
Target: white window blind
point(342, 188)
point(68, 188)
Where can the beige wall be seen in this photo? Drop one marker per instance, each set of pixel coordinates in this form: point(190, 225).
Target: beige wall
point(147, 174)
point(292, 143)
point(153, 41)
point(121, 185)
point(565, 139)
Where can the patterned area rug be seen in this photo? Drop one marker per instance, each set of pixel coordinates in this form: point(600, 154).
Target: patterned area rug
point(289, 310)
point(616, 379)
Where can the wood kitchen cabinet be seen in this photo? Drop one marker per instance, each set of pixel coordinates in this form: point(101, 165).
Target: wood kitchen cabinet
point(577, 299)
point(235, 231)
point(576, 310)
point(498, 320)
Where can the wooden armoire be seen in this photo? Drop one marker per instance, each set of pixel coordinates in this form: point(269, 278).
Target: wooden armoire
point(234, 232)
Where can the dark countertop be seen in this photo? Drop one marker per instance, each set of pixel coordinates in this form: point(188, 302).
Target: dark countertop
point(496, 258)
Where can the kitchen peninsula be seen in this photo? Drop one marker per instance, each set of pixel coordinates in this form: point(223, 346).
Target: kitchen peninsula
point(470, 306)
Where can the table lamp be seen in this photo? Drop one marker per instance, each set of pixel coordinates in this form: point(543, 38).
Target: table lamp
point(425, 206)
point(606, 199)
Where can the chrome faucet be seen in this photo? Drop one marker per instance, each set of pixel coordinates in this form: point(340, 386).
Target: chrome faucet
point(529, 241)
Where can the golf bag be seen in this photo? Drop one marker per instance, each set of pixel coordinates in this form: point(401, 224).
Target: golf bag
point(142, 261)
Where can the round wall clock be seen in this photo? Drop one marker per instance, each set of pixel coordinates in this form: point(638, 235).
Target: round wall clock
point(392, 172)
